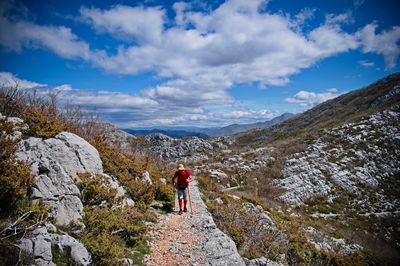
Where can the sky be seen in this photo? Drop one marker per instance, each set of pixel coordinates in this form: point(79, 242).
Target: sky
point(196, 63)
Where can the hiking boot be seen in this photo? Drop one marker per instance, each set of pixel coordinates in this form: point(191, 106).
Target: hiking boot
point(180, 212)
point(185, 209)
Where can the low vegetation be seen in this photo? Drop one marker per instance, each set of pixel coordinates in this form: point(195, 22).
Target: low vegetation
point(15, 175)
point(112, 232)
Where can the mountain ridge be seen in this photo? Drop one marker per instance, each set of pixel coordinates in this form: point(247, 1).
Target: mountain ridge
point(344, 108)
point(229, 130)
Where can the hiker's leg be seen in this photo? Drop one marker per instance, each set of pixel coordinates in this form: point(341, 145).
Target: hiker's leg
point(180, 197)
point(185, 196)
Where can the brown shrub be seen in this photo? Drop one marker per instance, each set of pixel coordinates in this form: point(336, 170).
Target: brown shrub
point(15, 176)
point(94, 189)
point(42, 125)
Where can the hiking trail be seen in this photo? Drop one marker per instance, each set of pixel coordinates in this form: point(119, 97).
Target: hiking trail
point(190, 238)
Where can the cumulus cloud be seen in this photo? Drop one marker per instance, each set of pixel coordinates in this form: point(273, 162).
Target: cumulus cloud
point(307, 99)
point(385, 43)
point(60, 40)
point(199, 55)
point(140, 24)
point(8, 79)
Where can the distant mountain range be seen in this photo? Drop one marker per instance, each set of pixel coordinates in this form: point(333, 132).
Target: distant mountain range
point(230, 130)
point(236, 129)
point(169, 132)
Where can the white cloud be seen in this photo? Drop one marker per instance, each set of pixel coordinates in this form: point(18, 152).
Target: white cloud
point(366, 63)
point(344, 18)
point(140, 24)
point(234, 43)
point(385, 43)
point(307, 99)
point(7, 79)
point(332, 90)
point(200, 54)
point(60, 40)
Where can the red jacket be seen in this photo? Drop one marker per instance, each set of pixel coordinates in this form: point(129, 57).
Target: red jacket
point(183, 177)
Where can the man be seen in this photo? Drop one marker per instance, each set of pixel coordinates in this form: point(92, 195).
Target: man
point(181, 181)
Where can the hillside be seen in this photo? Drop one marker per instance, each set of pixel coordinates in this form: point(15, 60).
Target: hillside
point(240, 128)
point(171, 133)
point(324, 182)
point(70, 195)
point(324, 193)
point(345, 108)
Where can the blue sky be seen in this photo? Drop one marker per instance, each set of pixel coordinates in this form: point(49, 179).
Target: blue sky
point(197, 63)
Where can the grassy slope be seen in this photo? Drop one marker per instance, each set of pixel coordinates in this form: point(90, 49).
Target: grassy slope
point(345, 108)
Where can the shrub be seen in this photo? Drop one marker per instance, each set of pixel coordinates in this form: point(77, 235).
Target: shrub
point(140, 191)
point(236, 232)
point(207, 184)
point(250, 236)
point(94, 189)
point(15, 176)
point(12, 101)
point(165, 193)
point(42, 125)
point(110, 233)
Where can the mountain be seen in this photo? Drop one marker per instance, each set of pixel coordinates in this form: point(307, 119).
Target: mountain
point(319, 188)
point(171, 133)
point(208, 132)
point(345, 108)
point(240, 128)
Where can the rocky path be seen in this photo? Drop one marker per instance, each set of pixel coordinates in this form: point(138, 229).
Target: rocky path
point(191, 239)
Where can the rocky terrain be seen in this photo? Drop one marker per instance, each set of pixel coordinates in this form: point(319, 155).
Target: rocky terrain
point(347, 171)
point(320, 188)
point(358, 158)
point(185, 150)
point(57, 164)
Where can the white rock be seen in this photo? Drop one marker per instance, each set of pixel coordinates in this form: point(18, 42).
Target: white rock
point(146, 177)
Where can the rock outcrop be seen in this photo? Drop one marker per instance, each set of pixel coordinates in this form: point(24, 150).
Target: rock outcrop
point(349, 157)
point(56, 162)
point(186, 150)
point(44, 238)
point(170, 149)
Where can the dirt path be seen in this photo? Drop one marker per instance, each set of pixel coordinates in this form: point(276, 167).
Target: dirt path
point(175, 240)
point(191, 239)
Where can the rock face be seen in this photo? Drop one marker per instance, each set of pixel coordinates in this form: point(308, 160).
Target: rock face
point(218, 247)
point(186, 150)
point(45, 237)
point(116, 136)
point(56, 162)
point(330, 244)
point(171, 149)
point(351, 157)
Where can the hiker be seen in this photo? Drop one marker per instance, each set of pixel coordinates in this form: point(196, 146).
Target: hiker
point(181, 180)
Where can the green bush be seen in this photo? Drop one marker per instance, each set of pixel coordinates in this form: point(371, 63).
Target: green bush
point(15, 176)
point(94, 189)
point(42, 125)
point(110, 233)
point(165, 193)
point(236, 232)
